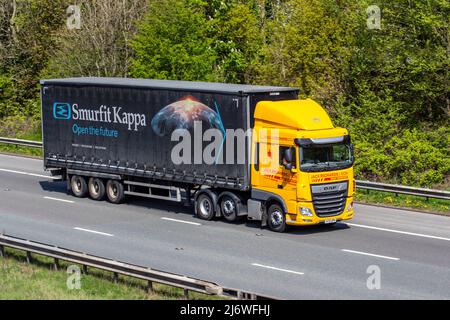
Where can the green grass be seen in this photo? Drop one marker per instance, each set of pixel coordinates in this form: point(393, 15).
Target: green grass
point(33, 136)
point(19, 150)
point(37, 281)
point(403, 201)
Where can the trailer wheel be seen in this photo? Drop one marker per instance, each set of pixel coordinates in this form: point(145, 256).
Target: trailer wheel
point(115, 191)
point(78, 186)
point(96, 189)
point(229, 207)
point(204, 207)
point(276, 219)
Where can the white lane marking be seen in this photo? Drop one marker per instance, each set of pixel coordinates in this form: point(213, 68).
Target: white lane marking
point(182, 221)
point(370, 254)
point(93, 231)
point(398, 231)
point(62, 200)
point(27, 173)
point(278, 269)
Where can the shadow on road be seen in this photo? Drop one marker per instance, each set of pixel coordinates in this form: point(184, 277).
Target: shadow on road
point(53, 186)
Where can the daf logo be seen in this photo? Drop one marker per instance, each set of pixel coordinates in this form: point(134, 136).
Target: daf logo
point(316, 120)
point(329, 188)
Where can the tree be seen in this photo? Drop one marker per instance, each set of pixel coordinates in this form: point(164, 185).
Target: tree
point(26, 29)
point(173, 42)
point(101, 46)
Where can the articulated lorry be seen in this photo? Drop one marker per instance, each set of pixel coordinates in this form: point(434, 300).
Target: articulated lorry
point(229, 150)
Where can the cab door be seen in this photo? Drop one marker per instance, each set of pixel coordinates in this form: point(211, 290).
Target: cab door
point(269, 174)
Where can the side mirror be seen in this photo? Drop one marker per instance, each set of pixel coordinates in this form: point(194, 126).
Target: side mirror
point(287, 166)
point(288, 155)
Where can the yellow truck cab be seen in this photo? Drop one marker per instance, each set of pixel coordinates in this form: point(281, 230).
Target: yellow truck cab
point(302, 170)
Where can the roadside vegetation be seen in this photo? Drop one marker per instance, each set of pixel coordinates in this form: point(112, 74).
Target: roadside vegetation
point(387, 85)
point(37, 281)
point(403, 201)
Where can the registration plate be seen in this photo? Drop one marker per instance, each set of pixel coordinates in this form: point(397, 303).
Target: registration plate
point(329, 221)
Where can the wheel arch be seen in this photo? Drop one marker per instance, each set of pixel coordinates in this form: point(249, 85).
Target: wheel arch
point(268, 198)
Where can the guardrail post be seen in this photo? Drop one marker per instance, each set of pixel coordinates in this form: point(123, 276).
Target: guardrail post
point(85, 269)
point(56, 264)
point(116, 277)
point(2, 251)
point(186, 293)
point(149, 288)
point(29, 257)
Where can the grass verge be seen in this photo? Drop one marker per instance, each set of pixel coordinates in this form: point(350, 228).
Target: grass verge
point(20, 150)
point(37, 281)
point(403, 201)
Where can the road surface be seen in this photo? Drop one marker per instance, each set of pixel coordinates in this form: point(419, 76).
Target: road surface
point(409, 251)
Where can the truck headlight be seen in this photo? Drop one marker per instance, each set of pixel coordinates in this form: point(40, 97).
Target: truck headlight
point(305, 212)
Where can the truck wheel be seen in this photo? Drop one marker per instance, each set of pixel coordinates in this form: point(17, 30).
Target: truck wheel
point(96, 189)
point(115, 191)
point(276, 219)
point(204, 207)
point(78, 186)
point(229, 208)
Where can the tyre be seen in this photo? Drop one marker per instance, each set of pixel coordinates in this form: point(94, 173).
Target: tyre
point(276, 219)
point(78, 186)
point(115, 191)
point(96, 189)
point(229, 208)
point(204, 207)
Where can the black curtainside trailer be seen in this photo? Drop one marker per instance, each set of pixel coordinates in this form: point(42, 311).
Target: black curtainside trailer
point(116, 128)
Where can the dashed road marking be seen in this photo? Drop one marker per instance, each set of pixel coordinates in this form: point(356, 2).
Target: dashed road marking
point(277, 269)
point(61, 200)
point(182, 221)
point(96, 232)
point(370, 254)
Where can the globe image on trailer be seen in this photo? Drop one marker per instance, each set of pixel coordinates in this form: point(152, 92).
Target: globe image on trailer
point(182, 114)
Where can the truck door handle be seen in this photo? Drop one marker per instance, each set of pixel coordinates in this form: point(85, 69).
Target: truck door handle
point(280, 186)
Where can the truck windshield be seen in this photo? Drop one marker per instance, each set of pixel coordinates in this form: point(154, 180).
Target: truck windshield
point(320, 157)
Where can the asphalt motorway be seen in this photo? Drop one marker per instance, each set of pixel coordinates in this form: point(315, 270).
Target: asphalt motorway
point(382, 253)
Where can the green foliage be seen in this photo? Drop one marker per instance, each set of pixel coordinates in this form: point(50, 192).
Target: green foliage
point(196, 40)
point(173, 42)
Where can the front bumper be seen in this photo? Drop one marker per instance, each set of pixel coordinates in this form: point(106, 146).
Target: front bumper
point(300, 220)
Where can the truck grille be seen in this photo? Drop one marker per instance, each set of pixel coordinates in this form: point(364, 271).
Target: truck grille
point(329, 199)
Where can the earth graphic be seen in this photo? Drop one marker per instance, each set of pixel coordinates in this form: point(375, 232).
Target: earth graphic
point(181, 114)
